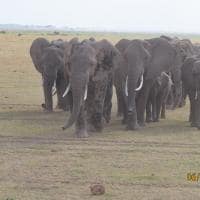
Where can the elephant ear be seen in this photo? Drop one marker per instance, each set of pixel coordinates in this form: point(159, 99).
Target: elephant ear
point(67, 55)
point(196, 68)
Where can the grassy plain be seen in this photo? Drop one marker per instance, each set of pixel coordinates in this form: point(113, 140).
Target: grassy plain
point(40, 161)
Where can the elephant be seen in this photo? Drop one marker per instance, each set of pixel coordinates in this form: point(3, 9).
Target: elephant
point(119, 75)
point(188, 50)
point(184, 49)
point(191, 82)
point(49, 62)
point(144, 61)
point(89, 65)
point(158, 97)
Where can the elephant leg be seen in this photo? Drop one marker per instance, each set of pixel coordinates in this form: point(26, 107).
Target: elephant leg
point(81, 131)
point(163, 116)
point(108, 101)
point(155, 103)
point(149, 110)
point(192, 108)
point(159, 103)
point(90, 106)
point(124, 108)
point(197, 111)
point(95, 104)
point(97, 117)
point(142, 101)
point(183, 99)
point(170, 100)
point(62, 103)
point(119, 102)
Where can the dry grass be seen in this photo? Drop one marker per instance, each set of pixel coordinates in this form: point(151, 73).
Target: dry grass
point(40, 161)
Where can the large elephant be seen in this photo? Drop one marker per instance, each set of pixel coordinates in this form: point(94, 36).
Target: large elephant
point(143, 63)
point(89, 66)
point(158, 97)
point(191, 82)
point(48, 60)
point(119, 76)
point(183, 49)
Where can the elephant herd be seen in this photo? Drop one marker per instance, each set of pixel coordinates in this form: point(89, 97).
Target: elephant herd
point(148, 76)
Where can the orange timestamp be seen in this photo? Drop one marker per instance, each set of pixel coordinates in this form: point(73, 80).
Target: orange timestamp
point(193, 177)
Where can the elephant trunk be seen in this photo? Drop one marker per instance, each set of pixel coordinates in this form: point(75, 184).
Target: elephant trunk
point(47, 87)
point(131, 103)
point(130, 90)
point(178, 94)
point(79, 94)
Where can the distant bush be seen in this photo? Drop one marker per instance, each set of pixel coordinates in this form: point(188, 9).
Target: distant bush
point(19, 34)
point(56, 33)
point(2, 32)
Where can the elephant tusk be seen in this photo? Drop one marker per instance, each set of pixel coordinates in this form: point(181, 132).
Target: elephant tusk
point(169, 77)
point(165, 74)
point(66, 91)
point(54, 89)
point(85, 94)
point(126, 86)
point(54, 92)
point(141, 84)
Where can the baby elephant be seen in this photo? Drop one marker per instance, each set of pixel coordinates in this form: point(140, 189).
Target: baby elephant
point(158, 97)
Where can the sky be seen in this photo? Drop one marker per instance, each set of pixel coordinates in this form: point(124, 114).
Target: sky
point(181, 16)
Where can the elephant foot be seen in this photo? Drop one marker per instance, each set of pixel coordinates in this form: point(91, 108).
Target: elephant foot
point(107, 119)
point(98, 122)
point(98, 127)
point(163, 117)
point(133, 127)
point(119, 114)
point(45, 109)
point(90, 128)
point(193, 124)
point(148, 120)
point(141, 124)
point(61, 107)
point(81, 133)
point(155, 120)
point(124, 121)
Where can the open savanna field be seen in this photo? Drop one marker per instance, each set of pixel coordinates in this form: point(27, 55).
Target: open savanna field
point(39, 161)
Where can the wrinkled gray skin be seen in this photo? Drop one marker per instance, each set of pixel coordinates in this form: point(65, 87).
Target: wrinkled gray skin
point(183, 49)
point(150, 58)
point(89, 65)
point(191, 82)
point(158, 97)
point(48, 60)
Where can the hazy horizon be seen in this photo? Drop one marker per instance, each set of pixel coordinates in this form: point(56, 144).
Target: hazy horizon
point(109, 15)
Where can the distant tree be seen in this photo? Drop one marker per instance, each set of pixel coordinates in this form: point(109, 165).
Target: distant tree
point(2, 32)
point(56, 33)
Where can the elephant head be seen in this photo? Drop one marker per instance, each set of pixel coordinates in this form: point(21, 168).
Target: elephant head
point(51, 62)
point(37, 50)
